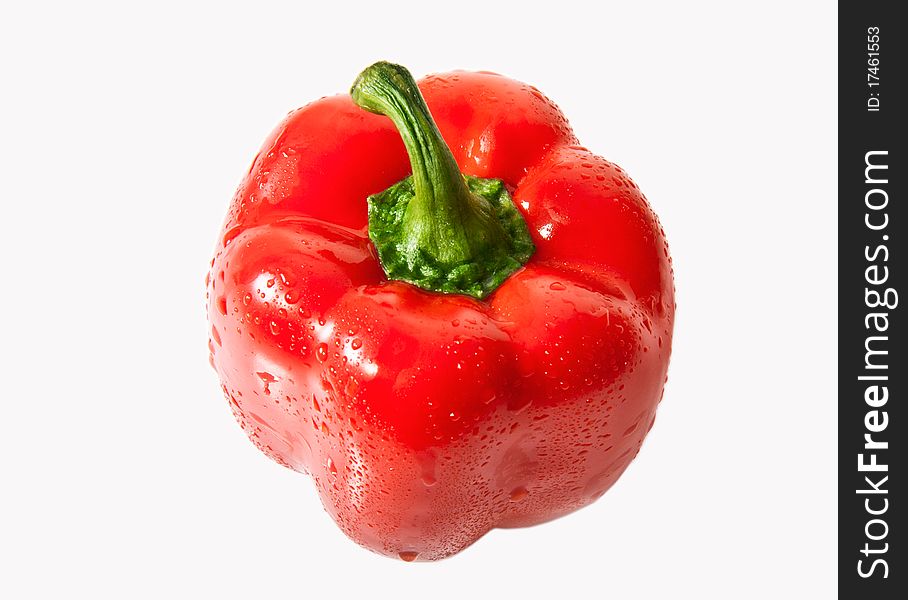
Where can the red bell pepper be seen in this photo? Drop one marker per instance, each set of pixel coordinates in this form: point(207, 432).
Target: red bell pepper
point(483, 343)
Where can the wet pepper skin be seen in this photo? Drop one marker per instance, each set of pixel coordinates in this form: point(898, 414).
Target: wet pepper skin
point(427, 419)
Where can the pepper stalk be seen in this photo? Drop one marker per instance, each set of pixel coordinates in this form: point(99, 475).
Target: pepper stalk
point(437, 229)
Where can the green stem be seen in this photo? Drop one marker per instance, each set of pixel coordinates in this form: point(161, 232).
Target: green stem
point(445, 221)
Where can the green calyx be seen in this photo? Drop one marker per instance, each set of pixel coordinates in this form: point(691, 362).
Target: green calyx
point(437, 229)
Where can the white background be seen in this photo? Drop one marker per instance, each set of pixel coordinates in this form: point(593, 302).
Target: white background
point(124, 133)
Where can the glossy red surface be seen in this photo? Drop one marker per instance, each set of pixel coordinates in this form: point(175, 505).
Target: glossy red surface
point(427, 419)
